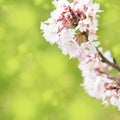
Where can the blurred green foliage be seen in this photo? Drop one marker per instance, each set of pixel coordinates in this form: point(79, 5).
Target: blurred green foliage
point(37, 82)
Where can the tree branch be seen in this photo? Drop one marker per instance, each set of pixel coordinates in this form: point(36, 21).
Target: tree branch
point(104, 59)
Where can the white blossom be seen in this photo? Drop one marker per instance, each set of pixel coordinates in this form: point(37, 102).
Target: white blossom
point(94, 77)
point(67, 43)
point(50, 29)
point(112, 97)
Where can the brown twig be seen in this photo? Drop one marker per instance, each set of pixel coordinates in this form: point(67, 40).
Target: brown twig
point(105, 60)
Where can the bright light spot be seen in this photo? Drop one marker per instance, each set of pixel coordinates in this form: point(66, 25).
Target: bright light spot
point(12, 65)
point(46, 6)
point(22, 17)
point(23, 108)
point(38, 2)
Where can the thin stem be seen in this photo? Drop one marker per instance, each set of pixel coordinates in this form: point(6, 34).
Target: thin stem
point(104, 59)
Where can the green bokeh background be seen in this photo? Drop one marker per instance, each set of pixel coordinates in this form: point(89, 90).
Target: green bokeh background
point(37, 82)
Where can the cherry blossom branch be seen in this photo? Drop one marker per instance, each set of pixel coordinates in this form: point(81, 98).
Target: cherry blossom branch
point(73, 26)
point(105, 60)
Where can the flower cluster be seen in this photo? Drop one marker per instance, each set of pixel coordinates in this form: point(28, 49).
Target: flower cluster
point(73, 26)
point(70, 23)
